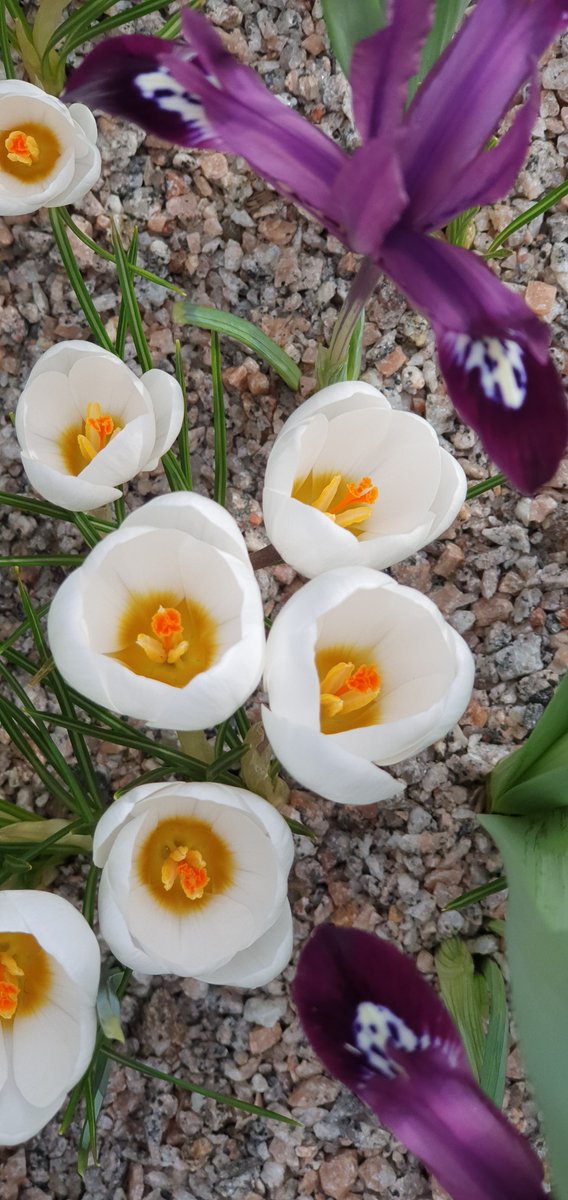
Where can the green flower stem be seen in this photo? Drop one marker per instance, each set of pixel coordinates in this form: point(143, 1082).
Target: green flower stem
point(219, 1097)
point(477, 489)
point(106, 254)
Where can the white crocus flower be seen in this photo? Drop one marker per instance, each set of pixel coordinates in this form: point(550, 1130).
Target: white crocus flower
point(48, 151)
point(49, 977)
point(352, 482)
point(163, 621)
point(194, 883)
point(360, 671)
point(87, 424)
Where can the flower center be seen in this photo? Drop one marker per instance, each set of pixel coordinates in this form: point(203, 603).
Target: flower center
point(29, 154)
point(24, 975)
point(348, 691)
point(345, 502)
point(184, 859)
point(181, 641)
point(99, 429)
point(189, 868)
point(167, 645)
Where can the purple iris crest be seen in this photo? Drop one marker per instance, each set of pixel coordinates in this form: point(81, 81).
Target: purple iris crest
point(380, 1028)
point(414, 171)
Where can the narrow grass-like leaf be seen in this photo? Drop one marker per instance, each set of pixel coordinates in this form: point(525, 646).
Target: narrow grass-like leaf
point(176, 481)
point(106, 254)
point(219, 428)
point(550, 731)
point(86, 528)
point(476, 894)
point(26, 833)
point(21, 629)
point(492, 1078)
point(102, 28)
point(477, 489)
point(5, 46)
point(547, 201)
point(131, 738)
point(348, 24)
point(244, 332)
point(301, 829)
point(219, 1097)
point(76, 280)
point(25, 731)
point(89, 11)
point(461, 995)
point(172, 28)
point(29, 853)
point(183, 439)
point(122, 323)
point(42, 560)
point(90, 893)
point(15, 813)
point(130, 302)
point(158, 775)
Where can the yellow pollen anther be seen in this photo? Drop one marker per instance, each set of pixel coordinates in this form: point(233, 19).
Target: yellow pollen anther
point(21, 148)
point(346, 503)
point(9, 990)
point(167, 645)
point(99, 429)
point(190, 868)
point(345, 689)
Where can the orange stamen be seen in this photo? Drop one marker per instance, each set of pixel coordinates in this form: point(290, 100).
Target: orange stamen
point(363, 492)
point(103, 427)
point(9, 990)
point(190, 868)
point(21, 148)
point(364, 679)
point(167, 645)
point(345, 689)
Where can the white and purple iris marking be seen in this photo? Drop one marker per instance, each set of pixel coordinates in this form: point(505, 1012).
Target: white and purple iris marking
point(501, 367)
point(375, 1026)
point(170, 96)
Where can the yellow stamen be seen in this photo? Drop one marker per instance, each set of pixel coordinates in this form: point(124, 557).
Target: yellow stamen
point(344, 689)
point(99, 430)
point(167, 645)
point(189, 868)
point(21, 147)
point(9, 989)
point(346, 503)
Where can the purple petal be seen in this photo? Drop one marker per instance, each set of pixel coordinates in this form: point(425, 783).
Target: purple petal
point(493, 354)
point(366, 212)
point(382, 65)
point(196, 94)
point(377, 1025)
point(130, 77)
point(459, 106)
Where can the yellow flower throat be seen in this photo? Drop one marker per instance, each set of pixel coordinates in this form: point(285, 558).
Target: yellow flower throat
point(345, 502)
point(24, 975)
point(350, 687)
point(29, 154)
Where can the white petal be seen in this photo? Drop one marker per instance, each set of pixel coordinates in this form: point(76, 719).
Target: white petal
point(115, 933)
point(46, 407)
point(261, 962)
point(85, 120)
point(60, 929)
point(318, 764)
point(338, 398)
point(450, 496)
point(109, 382)
point(63, 355)
point(204, 519)
point(87, 172)
point(168, 405)
point(46, 1048)
point(124, 456)
point(68, 491)
point(20, 1120)
point(115, 816)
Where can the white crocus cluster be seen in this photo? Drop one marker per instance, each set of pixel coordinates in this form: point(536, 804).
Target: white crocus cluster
point(163, 621)
point(49, 977)
point(86, 424)
point(48, 151)
point(194, 883)
point(360, 673)
point(352, 482)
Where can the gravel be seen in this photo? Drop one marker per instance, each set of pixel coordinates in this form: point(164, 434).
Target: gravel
point(500, 575)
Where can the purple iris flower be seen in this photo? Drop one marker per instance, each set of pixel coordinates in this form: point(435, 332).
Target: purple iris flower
point(414, 171)
point(380, 1028)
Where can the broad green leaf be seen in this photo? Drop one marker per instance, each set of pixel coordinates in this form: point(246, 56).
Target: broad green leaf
point(108, 1006)
point(255, 768)
point(465, 997)
point(494, 1065)
point(348, 23)
point(543, 792)
point(22, 832)
point(48, 16)
point(448, 18)
point(535, 851)
point(204, 317)
point(551, 728)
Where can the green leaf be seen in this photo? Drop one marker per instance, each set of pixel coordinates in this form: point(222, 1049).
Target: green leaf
point(355, 354)
point(5, 46)
point(183, 439)
point(535, 851)
point(547, 201)
point(476, 894)
point(244, 332)
point(494, 1066)
point(348, 23)
point(76, 280)
point(129, 300)
point(255, 768)
point(534, 757)
point(48, 16)
point(219, 427)
point(448, 17)
point(108, 1006)
point(38, 831)
point(463, 997)
point(477, 489)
